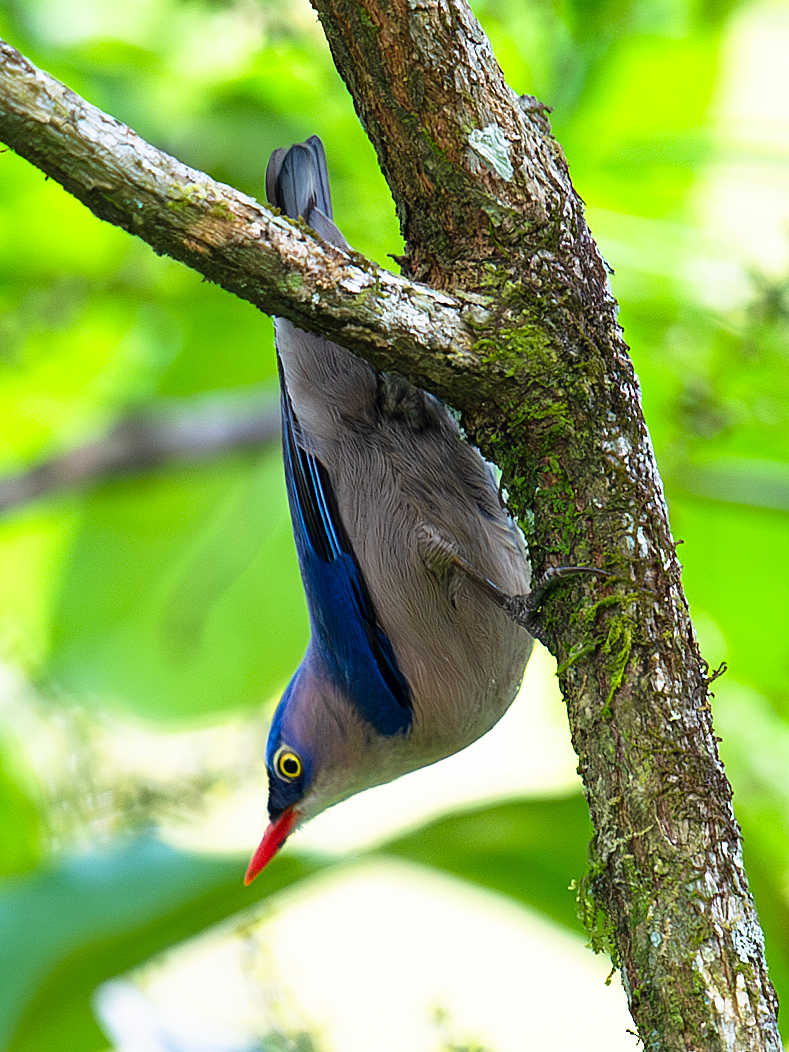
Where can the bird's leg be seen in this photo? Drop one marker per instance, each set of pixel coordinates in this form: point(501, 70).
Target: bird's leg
point(439, 553)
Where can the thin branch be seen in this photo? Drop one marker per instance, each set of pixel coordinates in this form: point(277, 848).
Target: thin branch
point(145, 441)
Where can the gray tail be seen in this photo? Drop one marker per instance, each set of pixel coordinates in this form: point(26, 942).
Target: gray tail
point(297, 181)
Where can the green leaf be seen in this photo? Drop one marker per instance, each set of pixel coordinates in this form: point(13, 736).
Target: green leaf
point(743, 603)
point(530, 850)
point(755, 750)
point(769, 893)
point(182, 594)
point(64, 931)
point(21, 826)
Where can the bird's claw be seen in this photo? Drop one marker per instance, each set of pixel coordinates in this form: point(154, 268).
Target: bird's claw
point(524, 609)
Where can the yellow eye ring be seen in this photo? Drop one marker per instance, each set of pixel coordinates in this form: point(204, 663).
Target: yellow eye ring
point(287, 764)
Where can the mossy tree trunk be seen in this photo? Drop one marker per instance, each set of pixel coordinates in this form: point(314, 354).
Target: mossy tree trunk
point(486, 204)
point(505, 311)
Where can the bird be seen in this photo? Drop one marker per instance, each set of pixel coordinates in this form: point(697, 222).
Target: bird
point(407, 555)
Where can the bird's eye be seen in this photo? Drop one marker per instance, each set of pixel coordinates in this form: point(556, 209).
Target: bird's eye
point(287, 764)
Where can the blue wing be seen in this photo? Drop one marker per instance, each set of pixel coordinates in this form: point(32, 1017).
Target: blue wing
point(357, 652)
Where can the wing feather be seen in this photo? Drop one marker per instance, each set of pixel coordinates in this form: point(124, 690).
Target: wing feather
point(357, 652)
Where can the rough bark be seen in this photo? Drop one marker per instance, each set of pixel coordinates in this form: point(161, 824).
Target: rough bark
point(533, 357)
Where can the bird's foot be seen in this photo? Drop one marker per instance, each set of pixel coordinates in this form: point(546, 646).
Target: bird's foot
point(524, 609)
point(440, 554)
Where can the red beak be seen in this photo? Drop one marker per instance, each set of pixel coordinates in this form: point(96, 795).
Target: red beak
point(273, 839)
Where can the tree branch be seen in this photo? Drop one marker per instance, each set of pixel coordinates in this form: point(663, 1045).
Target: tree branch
point(280, 267)
point(527, 346)
point(144, 441)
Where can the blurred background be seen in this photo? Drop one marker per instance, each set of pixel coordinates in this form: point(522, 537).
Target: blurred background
point(150, 603)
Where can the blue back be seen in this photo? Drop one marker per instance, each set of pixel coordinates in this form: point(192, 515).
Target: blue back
point(348, 639)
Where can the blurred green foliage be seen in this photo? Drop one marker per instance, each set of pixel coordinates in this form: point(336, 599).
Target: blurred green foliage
point(175, 595)
point(195, 604)
point(70, 927)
